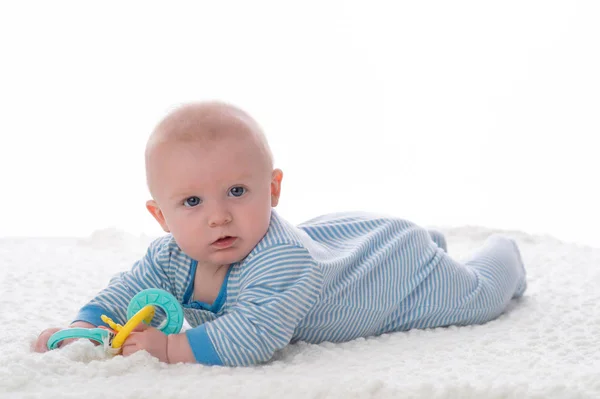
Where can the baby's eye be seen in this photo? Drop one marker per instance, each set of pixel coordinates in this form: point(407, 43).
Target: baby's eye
point(237, 191)
point(192, 201)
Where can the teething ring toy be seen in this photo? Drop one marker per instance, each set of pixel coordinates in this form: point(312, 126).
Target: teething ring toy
point(141, 308)
point(100, 335)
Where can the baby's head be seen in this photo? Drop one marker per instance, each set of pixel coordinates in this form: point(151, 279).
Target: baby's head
point(210, 173)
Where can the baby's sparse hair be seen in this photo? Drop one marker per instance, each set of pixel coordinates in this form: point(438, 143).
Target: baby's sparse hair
point(208, 122)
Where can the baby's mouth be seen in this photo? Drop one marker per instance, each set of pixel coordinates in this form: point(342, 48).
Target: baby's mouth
point(224, 242)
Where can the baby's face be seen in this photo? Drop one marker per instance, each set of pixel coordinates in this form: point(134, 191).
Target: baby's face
point(215, 197)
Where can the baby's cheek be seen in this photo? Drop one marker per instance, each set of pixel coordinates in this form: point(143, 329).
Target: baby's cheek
point(188, 241)
point(260, 225)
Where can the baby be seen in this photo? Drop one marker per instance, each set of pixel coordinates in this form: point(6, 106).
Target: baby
point(251, 283)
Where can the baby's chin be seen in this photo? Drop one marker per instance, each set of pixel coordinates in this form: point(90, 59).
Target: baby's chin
point(221, 257)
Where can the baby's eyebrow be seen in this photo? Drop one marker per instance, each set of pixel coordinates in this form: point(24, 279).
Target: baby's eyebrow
point(185, 193)
point(178, 197)
point(244, 176)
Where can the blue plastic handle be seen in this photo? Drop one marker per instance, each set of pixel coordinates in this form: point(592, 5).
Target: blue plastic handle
point(95, 334)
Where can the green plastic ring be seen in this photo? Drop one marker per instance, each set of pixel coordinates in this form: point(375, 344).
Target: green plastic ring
point(164, 300)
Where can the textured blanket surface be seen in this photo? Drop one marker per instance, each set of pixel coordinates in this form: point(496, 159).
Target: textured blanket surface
point(546, 345)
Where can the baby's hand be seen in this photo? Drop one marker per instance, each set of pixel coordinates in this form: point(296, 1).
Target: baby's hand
point(149, 339)
point(41, 344)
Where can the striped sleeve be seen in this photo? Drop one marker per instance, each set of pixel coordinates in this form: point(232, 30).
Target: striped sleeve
point(277, 289)
point(148, 272)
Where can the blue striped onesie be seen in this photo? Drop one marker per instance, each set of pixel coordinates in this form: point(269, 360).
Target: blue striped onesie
point(334, 278)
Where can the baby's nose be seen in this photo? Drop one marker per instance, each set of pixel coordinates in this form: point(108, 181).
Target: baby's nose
point(219, 219)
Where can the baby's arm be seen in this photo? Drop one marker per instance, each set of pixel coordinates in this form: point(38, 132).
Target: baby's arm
point(148, 272)
point(439, 239)
point(179, 349)
point(277, 289)
point(113, 300)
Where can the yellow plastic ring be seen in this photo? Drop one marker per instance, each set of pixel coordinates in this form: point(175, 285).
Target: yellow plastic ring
point(145, 314)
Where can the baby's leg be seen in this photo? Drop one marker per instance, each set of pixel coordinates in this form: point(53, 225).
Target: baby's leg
point(499, 260)
point(475, 291)
point(439, 239)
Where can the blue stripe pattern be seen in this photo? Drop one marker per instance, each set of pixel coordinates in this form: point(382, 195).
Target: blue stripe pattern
point(334, 278)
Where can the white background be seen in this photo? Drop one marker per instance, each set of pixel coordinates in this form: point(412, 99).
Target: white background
point(446, 113)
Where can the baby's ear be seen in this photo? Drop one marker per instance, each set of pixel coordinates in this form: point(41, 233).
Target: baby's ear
point(153, 208)
point(276, 178)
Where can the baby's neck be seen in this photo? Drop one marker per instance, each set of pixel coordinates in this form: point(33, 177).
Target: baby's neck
point(208, 281)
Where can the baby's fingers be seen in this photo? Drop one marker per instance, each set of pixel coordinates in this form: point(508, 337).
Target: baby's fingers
point(141, 327)
point(41, 343)
point(129, 347)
